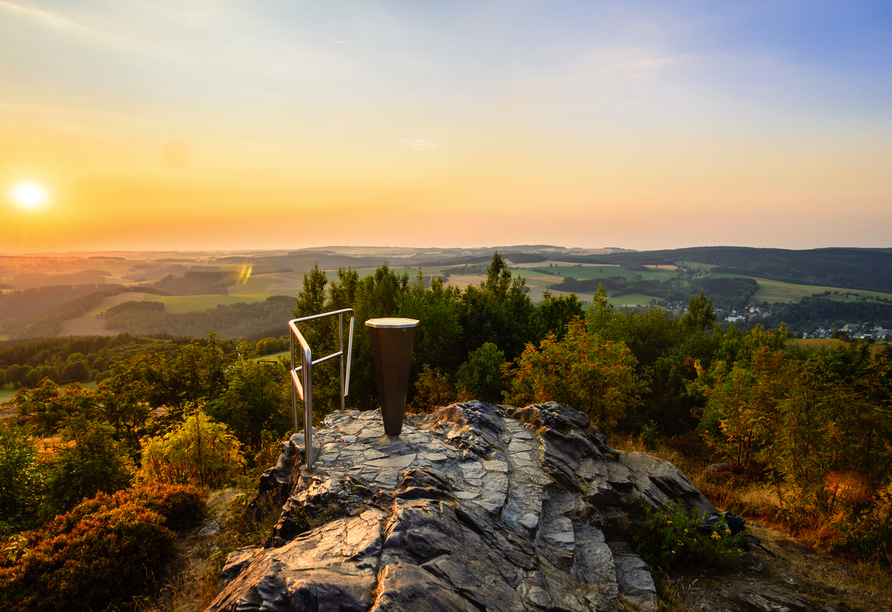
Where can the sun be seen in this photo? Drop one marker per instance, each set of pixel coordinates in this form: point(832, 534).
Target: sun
point(29, 196)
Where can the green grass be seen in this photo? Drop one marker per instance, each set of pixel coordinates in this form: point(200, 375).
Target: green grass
point(638, 299)
point(590, 272)
point(776, 291)
point(254, 285)
point(6, 393)
point(273, 356)
point(542, 281)
point(187, 303)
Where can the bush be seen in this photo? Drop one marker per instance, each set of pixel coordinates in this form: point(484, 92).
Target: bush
point(199, 452)
point(432, 390)
point(182, 506)
point(671, 537)
point(480, 376)
point(583, 370)
point(98, 557)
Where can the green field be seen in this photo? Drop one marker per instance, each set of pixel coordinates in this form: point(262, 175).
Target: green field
point(5, 394)
point(589, 272)
point(186, 303)
point(542, 281)
point(636, 299)
point(776, 291)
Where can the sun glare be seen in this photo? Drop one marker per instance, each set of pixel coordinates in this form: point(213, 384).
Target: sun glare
point(29, 196)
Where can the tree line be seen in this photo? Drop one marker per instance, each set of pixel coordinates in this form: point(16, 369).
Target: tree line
point(811, 425)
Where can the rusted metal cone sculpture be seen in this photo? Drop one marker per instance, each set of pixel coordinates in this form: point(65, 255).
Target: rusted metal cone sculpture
point(392, 351)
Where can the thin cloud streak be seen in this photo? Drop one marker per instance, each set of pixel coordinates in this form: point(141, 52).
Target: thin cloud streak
point(43, 16)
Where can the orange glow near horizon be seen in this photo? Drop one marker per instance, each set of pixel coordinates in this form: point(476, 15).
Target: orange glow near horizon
point(135, 127)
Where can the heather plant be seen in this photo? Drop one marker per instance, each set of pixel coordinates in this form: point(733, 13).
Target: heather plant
point(100, 554)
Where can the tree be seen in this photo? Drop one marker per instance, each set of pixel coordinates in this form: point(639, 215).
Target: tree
point(553, 314)
point(257, 398)
point(15, 375)
point(20, 481)
point(89, 461)
point(439, 333)
point(200, 452)
point(191, 373)
point(700, 316)
point(496, 311)
point(480, 376)
point(76, 371)
point(583, 370)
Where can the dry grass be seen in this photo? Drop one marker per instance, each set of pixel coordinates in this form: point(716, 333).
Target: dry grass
point(195, 570)
point(808, 548)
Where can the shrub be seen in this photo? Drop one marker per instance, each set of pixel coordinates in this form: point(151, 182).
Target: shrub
point(671, 537)
point(98, 557)
point(199, 452)
point(182, 506)
point(480, 376)
point(99, 554)
point(432, 390)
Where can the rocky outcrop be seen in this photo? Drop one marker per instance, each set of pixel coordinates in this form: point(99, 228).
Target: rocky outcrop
point(476, 507)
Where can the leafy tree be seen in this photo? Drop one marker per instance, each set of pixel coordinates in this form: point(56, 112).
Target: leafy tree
point(90, 461)
point(35, 375)
point(496, 311)
point(120, 404)
point(257, 398)
point(553, 314)
point(582, 370)
point(438, 336)
point(190, 373)
point(15, 375)
point(480, 376)
point(20, 480)
point(200, 452)
point(76, 371)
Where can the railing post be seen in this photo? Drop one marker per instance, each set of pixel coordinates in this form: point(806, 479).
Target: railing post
point(303, 385)
point(307, 375)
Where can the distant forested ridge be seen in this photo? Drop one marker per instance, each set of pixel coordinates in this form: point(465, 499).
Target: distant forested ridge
point(810, 312)
point(233, 321)
point(30, 302)
point(197, 283)
point(48, 322)
point(865, 269)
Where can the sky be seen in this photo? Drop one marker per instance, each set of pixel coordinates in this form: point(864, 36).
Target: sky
point(267, 124)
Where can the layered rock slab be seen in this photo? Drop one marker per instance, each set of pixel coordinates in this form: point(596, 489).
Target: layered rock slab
point(476, 507)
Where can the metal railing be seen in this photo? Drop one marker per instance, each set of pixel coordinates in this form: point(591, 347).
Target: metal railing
point(302, 376)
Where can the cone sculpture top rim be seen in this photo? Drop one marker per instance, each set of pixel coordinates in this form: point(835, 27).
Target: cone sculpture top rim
point(391, 322)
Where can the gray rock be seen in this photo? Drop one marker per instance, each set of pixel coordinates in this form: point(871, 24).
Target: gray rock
point(511, 517)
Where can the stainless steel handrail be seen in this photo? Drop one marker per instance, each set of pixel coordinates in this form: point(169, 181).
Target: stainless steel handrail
point(303, 385)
